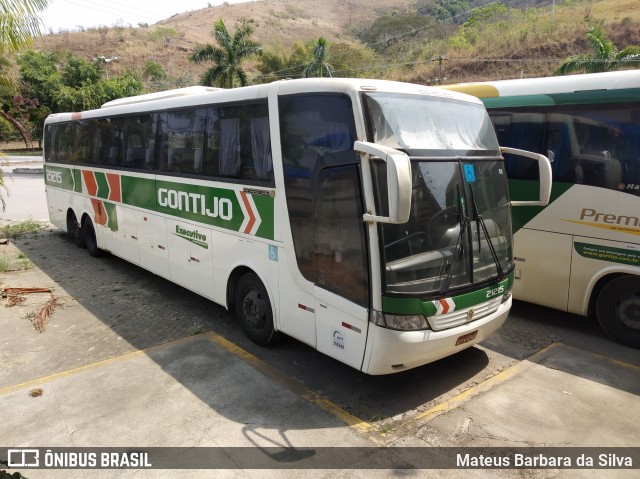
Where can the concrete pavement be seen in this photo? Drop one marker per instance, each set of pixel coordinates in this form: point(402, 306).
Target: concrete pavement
point(136, 373)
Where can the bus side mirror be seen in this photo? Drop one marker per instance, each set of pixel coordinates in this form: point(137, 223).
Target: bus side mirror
point(398, 181)
point(544, 165)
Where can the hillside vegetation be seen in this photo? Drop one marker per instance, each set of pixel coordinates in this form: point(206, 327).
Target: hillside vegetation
point(396, 39)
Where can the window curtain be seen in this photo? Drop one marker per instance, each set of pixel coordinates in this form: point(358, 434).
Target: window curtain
point(261, 147)
point(230, 147)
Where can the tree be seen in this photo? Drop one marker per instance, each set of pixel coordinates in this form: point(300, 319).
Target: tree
point(444, 10)
point(319, 66)
point(166, 34)
point(67, 83)
point(227, 56)
point(604, 56)
point(154, 71)
point(19, 23)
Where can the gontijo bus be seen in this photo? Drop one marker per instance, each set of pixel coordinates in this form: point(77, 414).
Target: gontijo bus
point(368, 219)
point(581, 253)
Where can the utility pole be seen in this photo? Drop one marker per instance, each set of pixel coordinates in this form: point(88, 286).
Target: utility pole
point(439, 59)
point(106, 61)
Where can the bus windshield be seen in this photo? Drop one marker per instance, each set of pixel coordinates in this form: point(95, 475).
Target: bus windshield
point(416, 123)
point(459, 230)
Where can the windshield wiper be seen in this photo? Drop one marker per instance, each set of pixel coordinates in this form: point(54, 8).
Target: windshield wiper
point(459, 248)
point(481, 224)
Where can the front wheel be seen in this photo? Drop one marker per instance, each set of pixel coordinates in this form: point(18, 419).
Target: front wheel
point(618, 310)
point(253, 310)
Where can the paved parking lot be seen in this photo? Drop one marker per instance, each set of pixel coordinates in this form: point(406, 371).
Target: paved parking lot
point(128, 359)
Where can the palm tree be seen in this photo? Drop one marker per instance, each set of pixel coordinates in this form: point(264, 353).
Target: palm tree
point(605, 56)
point(319, 66)
point(227, 57)
point(19, 23)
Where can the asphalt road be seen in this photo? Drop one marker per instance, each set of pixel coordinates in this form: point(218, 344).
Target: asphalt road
point(24, 192)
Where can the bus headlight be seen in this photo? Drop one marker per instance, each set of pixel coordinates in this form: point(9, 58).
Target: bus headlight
point(400, 322)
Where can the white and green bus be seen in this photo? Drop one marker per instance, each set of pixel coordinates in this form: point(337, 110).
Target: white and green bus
point(368, 219)
point(581, 253)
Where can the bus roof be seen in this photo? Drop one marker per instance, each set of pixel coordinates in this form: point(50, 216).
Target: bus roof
point(199, 95)
point(178, 92)
point(549, 85)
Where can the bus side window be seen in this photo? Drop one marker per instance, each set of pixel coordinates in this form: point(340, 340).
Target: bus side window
point(182, 136)
point(244, 146)
point(305, 120)
point(559, 144)
point(519, 130)
point(339, 252)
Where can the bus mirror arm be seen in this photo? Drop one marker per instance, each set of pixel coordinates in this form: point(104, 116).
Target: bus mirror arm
point(544, 165)
point(398, 181)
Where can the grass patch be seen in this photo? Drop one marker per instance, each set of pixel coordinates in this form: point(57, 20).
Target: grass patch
point(196, 329)
point(19, 229)
point(4, 265)
point(25, 152)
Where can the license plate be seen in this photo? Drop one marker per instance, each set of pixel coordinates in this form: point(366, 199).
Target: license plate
point(465, 338)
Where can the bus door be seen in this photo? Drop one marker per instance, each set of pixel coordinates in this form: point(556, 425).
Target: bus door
point(340, 265)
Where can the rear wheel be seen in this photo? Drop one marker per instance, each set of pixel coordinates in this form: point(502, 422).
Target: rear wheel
point(253, 310)
point(618, 310)
point(89, 234)
point(73, 229)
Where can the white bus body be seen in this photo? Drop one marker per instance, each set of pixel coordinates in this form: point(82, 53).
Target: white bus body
point(368, 219)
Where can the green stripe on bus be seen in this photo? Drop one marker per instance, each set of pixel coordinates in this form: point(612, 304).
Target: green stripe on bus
point(140, 192)
point(103, 185)
point(527, 190)
point(406, 306)
point(265, 206)
point(608, 253)
point(589, 97)
point(77, 180)
point(112, 216)
point(203, 204)
point(519, 100)
point(59, 177)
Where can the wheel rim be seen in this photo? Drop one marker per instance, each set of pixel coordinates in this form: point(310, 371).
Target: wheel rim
point(254, 310)
point(628, 310)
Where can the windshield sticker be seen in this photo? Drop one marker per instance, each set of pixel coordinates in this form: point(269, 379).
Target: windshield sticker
point(469, 173)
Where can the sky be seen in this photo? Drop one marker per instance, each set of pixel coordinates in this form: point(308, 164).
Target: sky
point(71, 14)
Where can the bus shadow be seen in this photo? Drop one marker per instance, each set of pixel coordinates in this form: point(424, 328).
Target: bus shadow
point(145, 310)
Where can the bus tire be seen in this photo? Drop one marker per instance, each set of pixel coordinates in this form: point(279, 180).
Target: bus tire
point(89, 234)
point(618, 310)
point(253, 310)
point(74, 231)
